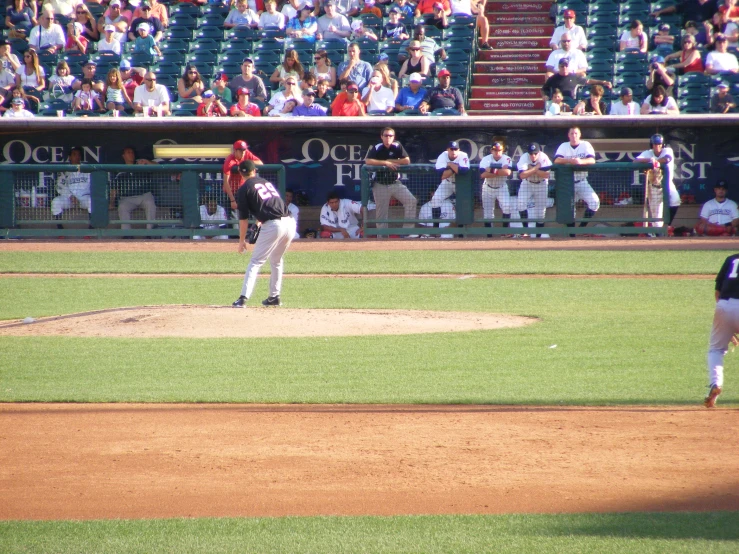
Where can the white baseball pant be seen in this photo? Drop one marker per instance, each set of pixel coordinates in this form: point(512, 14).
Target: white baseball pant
point(397, 190)
point(443, 191)
point(128, 204)
point(725, 325)
point(488, 196)
point(584, 192)
point(656, 205)
point(274, 239)
point(64, 202)
point(539, 193)
point(353, 231)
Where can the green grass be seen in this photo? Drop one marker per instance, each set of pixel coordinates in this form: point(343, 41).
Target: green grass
point(587, 533)
point(619, 341)
point(427, 261)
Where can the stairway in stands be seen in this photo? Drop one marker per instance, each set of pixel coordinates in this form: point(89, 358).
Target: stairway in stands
point(507, 80)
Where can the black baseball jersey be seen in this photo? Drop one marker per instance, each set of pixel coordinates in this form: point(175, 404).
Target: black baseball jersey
point(379, 151)
point(727, 280)
point(261, 199)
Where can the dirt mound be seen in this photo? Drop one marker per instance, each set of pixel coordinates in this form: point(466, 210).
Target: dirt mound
point(223, 322)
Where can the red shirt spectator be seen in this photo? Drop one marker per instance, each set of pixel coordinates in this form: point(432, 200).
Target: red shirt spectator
point(426, 7)
point(348, 103)
point(244, 108)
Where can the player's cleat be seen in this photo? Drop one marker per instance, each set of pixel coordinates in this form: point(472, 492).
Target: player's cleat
point(272, 301)
point(710, 400)
point(240, 302)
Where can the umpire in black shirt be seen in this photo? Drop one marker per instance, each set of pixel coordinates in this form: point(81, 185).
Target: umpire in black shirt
point(261, 199)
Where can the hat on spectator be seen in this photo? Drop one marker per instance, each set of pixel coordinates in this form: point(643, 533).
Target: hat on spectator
point(145, 4)
point(329, 3)
point(306, 7)
point(568, 13)
point(357, 24)
point(438, 6)
point(248, 60)
point(3, 42)
point(243, 91)
point(564, 61)
point(444, 73)
point(626, 91)
point(723, 9)
point(125, 64)
point(497, 145)
point(722, 85)
point(533, 148)
point(143, 25)
point(383, 57)
point(222, 76)
point(309, 92)
point(415, 78)
point(720, 184)
point(91, 62)
point(719, 37)
point(656, 59)
point(352, 86)
point(79, 27)
point(110, 28)
point(394, 9)
point(240, 145)
point(17, 101)
point(369, 2)
point(115, 3)
point(208, 94)
point(454, 145)
point(664, 27)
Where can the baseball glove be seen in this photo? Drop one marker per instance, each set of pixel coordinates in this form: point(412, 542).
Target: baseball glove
point(654, 177)
point(252, 233)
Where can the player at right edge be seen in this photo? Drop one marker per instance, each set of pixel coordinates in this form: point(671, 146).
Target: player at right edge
point(725, 325)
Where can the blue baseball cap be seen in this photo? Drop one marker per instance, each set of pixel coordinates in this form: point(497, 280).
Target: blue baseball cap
point(657, 59)
point(453, 145)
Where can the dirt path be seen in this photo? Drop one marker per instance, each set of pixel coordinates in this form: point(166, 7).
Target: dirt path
point(84, 461)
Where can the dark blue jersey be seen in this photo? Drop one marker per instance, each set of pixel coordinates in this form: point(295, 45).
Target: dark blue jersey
point(259, 198)
point(727, 280)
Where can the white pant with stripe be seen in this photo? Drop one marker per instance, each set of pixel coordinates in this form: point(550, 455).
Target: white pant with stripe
point(274, 239)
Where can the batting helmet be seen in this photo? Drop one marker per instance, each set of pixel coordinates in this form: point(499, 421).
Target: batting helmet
point(656, 139)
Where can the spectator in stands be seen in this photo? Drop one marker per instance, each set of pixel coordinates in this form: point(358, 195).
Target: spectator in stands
point(220, 87)
point(332, 25)
point(75, 41)
point(625, 104)
point(309, 108)
point(476, 9)
point(133, 190)
point(89, 24)
point(131, 76)
point(323, 69)
point(416, 62)
point(109, 43)
point(60, 84)
point(658, 103)
point(425, 8)
point(575, 58)
point(557, 106)
point(324, 91)
point(394, 29)
point(695, 10)
point(348, 103)
point(593, 105)
point(689, 56)
point(732, 6)
point(407, 10)
point(720, 62)
point(290, 67)
point(7, 81)
point(429, 48)
point(19, 19)
point(47, 36)
point(8, 60)
point(410, 97)
point(242, 16)
point(376, 97)
point(190, 85)
point(663, 42)
point(31, 75)
point(145, 43)
point(438, 17)
point(698, 32)
point(271, 18)
point(309, 81)
point(156, 29)
point(277, 102)
point(151, 97)
point(360, 32)
point(719, 216)
point(339, 218)
point(635, 39)
point(355, 69)
point(116, 97)
point(212, 106)
point(87, 99)
point(347, 8)
point(575, 32)
point(89, 71)
point(30, 103)
point(125, 11)
point(113, 16)
point(387, 80)
point(304, 25)
point(722, 101)
point(370, 8)
point(17, 110)
point(659, 76)
point(290, 9)
point(568, 82)
point(244, 108)
point(157, 10)
point(724, 25)
point(443, 96)
point(248, 80)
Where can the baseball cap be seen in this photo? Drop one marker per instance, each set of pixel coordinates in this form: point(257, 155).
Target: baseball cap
point(109, 28)
point(145, 4)
point(17, 101)
point(240, 145)
point(125, 64)
point(394, 9)
point(247, 166)
point(352, 86)
point(444, 72)
point(221, 75)
point(369, 2)
point(115, 3)
point(564, 61)
point(568, 13)
point(626, 91)
point(3, 42)
point(533, 148)
point(454, 145)
point(497, 145)
point(656, 59)
point(664, 27)
point(207, 94)
point(357, 24)
point(143, 25)
point(415, 78)
point(247, 60)
point(721, 184)
point(309, 92)
point(722, 85)
point(91, 62)
point(720, 37)
point(329, 3)
point(723, 9)
point(383, 57)
point(243, 90)
point(79, 27)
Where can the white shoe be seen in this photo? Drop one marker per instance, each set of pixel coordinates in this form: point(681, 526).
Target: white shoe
point(545, 236)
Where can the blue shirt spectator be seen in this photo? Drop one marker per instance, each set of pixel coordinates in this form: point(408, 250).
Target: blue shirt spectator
point(410, 97)
point(308, 108)
point(354, 69)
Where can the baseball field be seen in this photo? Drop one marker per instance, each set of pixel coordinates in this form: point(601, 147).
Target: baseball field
point(409, 396)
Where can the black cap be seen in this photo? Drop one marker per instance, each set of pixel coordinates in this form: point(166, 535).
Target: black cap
point(453, 145)
point(533, 148)
point(721, 184)
point(247, 166)
point(77, 148)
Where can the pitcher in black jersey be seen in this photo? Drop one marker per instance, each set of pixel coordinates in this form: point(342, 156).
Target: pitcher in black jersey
point(259, 198)
point(725, 325)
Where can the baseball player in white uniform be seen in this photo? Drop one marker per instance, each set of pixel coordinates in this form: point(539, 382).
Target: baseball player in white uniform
point(449, 164)
point(212, 212)
point(495, 168)
point(533, 170)
point(72, 184)
point(447, 211)
point(720, 215)
point(339, 218)
point(578, 153)
point(662, 155)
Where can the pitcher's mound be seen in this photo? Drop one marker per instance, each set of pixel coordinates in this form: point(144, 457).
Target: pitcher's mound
point(223, 322)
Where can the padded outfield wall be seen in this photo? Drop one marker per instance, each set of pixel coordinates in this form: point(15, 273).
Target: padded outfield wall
point(321, 154)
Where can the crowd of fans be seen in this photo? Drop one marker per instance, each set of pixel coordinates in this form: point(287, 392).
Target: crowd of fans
point(51, 50)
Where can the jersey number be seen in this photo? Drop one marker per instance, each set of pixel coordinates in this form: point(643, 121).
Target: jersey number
point(266, 190)
point(734, 269)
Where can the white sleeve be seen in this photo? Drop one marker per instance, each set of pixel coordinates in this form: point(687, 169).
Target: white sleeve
point(589, 149)
point(137, 95)
point(558, 32)
point(163, 94)
point(464, 162)
point(326, 216)
point(545, 161)
point(507, 161)
point(442, 160)
point(523, 162)
point(582, 38)
point(647, 154)
point(704, 210)
point(562, 150)
point(734, 212)
point(552, 59)
point(355, 207)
